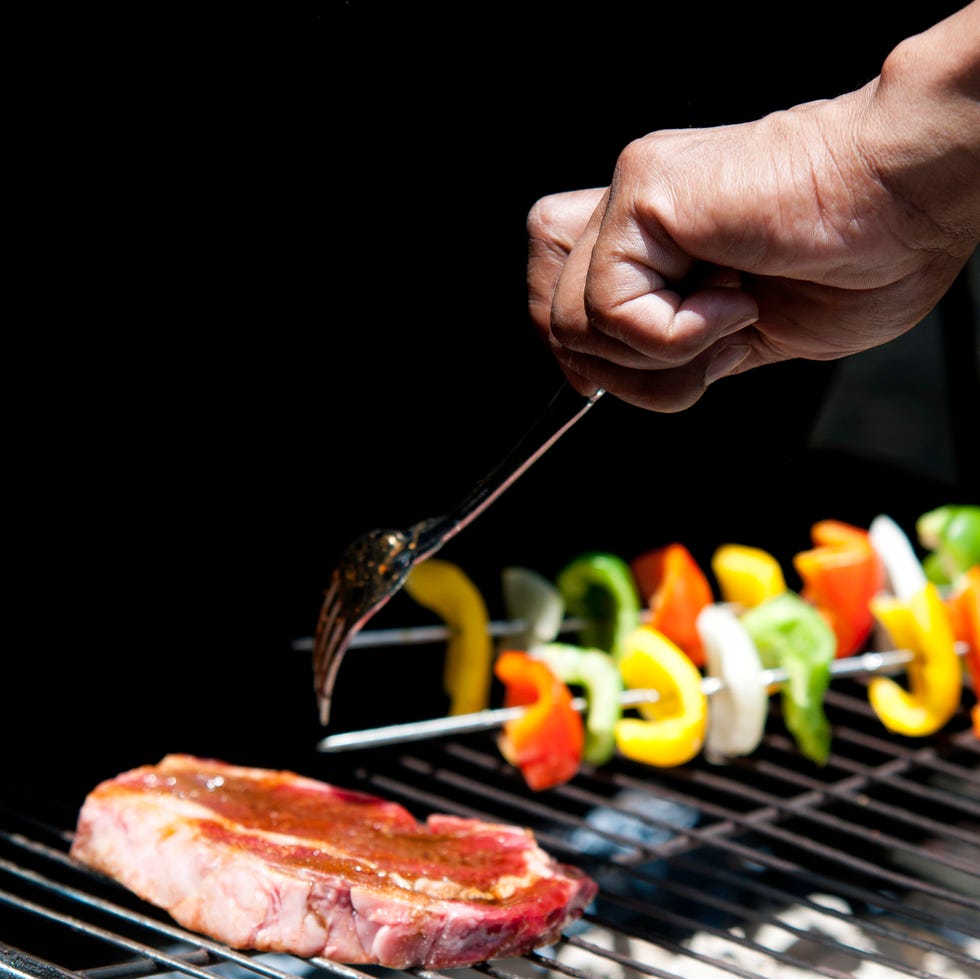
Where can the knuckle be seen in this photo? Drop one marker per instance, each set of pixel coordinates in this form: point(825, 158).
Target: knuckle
point(631, 156)
point(543, 217)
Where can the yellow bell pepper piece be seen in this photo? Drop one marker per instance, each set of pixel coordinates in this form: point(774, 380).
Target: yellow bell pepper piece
point(747, 576)
point(445, 588)
point(673, 728)
point(935, 676)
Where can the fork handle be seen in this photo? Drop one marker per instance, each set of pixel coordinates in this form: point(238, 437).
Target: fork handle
point(566, 407)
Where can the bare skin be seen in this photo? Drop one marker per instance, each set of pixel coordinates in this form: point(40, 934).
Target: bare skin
point(815, 232)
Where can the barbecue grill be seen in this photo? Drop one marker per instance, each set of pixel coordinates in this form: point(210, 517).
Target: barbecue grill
point(765, 867)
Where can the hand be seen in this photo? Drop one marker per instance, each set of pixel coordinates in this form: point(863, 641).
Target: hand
point(817, 232)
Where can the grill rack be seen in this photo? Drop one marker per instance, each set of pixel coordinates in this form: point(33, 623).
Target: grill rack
point(766, 867)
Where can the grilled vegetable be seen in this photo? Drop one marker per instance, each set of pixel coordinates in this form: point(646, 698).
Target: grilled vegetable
point(675, 589)
point(672, 729)
point(951, 534)
point(596, 673)
point(963, 608)
point(904, 575)
point(546, 741)
point(746, 576)
point(790, 633)
point(599, 587)
point(533, 600)
point(922, 625)
point(840, 576)
point(445, 588)
point(737, 718)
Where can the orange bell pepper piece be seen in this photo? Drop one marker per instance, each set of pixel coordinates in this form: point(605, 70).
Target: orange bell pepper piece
point(675, 589)
point(547, 740)
point(840, 576)
point(963, 608)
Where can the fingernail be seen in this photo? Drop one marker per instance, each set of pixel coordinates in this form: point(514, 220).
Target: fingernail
point(725, 362)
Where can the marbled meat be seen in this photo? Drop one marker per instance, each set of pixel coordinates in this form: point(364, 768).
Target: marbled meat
point(275, 861)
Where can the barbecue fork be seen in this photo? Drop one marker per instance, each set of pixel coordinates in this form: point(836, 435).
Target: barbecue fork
point(375, 566)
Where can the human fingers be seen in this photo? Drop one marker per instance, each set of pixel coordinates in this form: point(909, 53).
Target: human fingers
point(695, 313)
point(797, 320)
point(554, 224)
point(666, 326)
point(650, 302)
point(666, 390)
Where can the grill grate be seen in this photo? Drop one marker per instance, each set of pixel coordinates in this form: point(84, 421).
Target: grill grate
point(771, 867)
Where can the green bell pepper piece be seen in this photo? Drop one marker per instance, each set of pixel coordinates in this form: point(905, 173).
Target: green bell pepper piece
point(951, 534)
point(599, 588)
point(791, 634)
point(599, 677)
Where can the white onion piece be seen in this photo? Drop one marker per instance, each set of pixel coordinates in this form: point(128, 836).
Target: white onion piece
point(903, 569)
point(737, 714)
point(533, 600)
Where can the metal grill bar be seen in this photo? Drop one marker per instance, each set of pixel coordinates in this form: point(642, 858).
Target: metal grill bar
point(771, 806)
point(768, 866)
point(83, 898)
point(715, 839)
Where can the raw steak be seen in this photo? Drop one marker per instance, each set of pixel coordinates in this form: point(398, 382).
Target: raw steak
point(275, 861)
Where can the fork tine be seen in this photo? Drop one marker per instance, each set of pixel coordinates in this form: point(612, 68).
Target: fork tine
point(330, 607)
point(339, 640)
point(329, 626)
point(333, 629)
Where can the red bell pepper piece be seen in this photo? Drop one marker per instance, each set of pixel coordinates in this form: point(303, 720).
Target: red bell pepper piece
point(547, 740)
point(840, 575)
point(675, 589)
point(963, 607)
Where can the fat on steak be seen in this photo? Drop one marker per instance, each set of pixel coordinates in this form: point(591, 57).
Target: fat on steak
point(275, 861)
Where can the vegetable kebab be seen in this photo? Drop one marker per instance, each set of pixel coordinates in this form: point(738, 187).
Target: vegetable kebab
point(699, 669)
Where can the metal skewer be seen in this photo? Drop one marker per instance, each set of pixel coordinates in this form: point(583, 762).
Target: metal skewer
point(418, 635)
point(886, 661)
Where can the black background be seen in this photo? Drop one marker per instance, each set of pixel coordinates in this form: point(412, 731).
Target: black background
point(265, 291)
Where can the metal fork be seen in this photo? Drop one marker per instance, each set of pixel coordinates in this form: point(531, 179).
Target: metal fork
point(374, 567)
